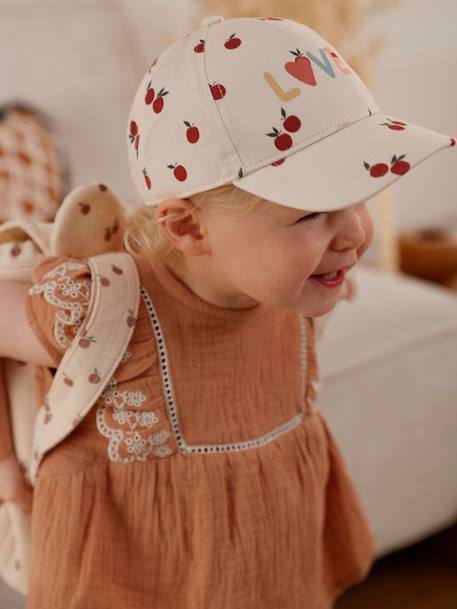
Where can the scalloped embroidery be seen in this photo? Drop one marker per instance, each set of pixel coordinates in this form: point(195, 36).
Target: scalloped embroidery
point(136, 443)
point(61, 290)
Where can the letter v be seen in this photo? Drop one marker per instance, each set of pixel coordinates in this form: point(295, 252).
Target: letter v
point(325, 66)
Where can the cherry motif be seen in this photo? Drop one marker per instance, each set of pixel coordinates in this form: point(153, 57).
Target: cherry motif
point(199, 48)
point(232, 43)
point(157, 104)
point(15, 250)
point(147, 179)
point(150, 93)
point(279, 162)
point(104, 280)
point(86, 342)
point(292, 123)
point(282, 141)
point(116, 269)
point(67, 380)
point(452, 142)
point(180, 172)
point(218, 91)
point(192, 133)
point(395, 125)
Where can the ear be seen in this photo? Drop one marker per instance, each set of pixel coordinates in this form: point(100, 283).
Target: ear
point(186, 232)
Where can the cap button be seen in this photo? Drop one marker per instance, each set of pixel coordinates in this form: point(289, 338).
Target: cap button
point(212, 19)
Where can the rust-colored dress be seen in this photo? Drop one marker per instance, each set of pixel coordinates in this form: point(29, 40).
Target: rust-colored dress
point(203, 477)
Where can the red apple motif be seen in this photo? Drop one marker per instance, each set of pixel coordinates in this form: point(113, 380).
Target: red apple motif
point(157, 104)
point(137, 141)
point(116, 269)
point(398, 166)
point(218, 91)
point(85, 208)
point(301, 68)
point(199, 48)
point(396, 122)
point(452, 142)
point(180, 172)
point(282, 141)
point(133, 128)
point(292, 123)
point(85, 342)
point(147, 179)
point(232, 43)
point(94, 377)
point(131, 319)
point(150, 93)
point(15, 250)
point(192, 133)
point(378, 170)
point(68, 381)
point(279, 162)
point(104, 281)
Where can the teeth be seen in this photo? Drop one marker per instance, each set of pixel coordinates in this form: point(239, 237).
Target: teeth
point(330, 276)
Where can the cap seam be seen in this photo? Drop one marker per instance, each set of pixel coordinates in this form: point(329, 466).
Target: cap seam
point(234, 148)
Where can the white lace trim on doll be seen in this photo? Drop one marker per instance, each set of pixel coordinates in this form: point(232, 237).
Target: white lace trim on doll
point(60, 290)
point(135, 442)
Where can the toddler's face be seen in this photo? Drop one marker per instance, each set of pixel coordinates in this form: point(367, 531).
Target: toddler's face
point(271, 257)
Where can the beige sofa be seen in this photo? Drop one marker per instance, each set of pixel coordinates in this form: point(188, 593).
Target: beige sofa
point(388, 360)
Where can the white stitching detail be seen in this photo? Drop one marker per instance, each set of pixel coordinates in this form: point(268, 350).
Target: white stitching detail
point(170, 402)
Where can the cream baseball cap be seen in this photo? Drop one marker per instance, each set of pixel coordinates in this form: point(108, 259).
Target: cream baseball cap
point(270, 106)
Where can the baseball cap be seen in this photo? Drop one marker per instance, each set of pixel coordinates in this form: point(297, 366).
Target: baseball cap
point(269, 105)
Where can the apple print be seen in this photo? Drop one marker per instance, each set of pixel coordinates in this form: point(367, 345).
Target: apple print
point(85, 208)
point(192, 133)
point(378, 170)
point(131, 319)
point(292, 123)
point(452, 142)
point(395, 126)
point(150, 93)
point(133, 128)
point(86, 342)
point(94, 377)
point(137, 141)
point(104, 280)
point(199, 48)
point(282, 141)
point(396, 122)
point(301, 68)
point(116, 269)
point(232, 43)
point(180, 172)
point(218, 91)
point(157, 104)
point(399, 167)
point(279, 162)
point(67, 380)
point(147, 179)
point(15, 250)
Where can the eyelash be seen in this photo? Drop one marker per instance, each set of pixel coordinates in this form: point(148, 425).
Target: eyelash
point(312, 216)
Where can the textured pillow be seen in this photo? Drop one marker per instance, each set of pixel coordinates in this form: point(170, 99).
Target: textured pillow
point(33, 168)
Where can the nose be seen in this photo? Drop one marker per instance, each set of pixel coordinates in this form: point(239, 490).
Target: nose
point(349, 232)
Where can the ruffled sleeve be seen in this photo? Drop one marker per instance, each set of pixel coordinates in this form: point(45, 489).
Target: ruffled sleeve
point(57, 301)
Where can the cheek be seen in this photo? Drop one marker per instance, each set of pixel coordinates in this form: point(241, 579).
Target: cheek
point(369, 231)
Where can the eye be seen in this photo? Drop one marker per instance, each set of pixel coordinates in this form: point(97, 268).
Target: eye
point(312, 216)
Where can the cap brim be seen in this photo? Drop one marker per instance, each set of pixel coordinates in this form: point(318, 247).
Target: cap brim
point(346, 167)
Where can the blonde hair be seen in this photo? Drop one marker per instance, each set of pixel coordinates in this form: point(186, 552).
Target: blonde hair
point(145, 238)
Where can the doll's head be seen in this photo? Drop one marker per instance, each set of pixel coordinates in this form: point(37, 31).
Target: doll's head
point(237, 250)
